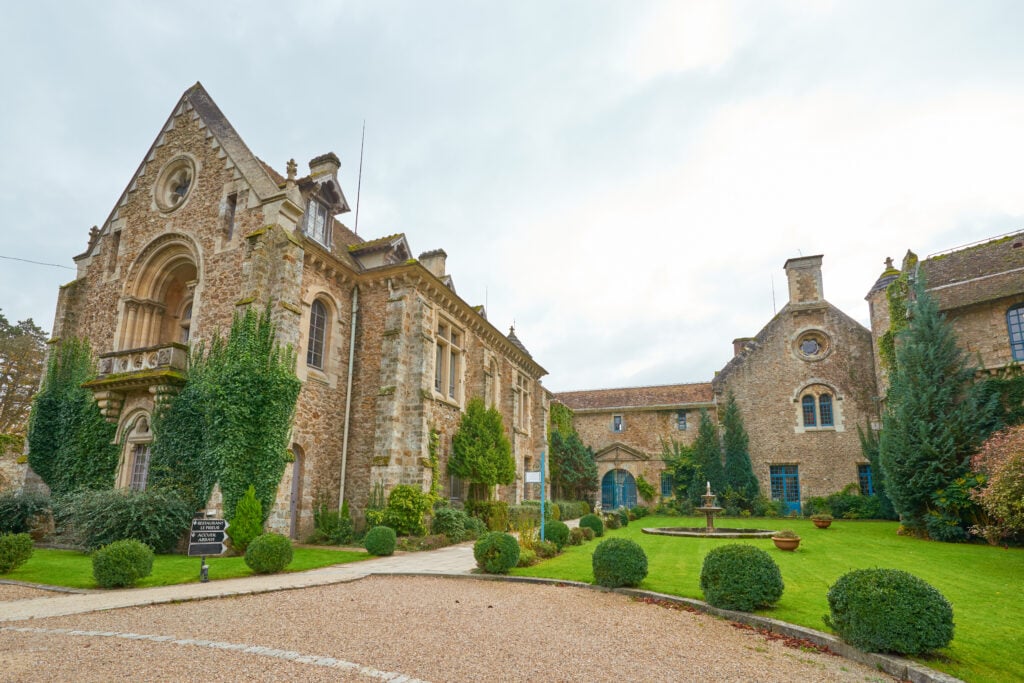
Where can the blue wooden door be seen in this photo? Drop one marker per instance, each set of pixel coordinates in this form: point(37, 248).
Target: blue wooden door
point(618, 489)
point(786, 486)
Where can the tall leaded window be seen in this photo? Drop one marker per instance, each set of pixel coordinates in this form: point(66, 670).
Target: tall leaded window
point(617, 424)
point(1015, 326)
point(317, 334)
point(447, 360)
point(810, 417)
point(521, 402)
point(140, 467)
point(867, 484)
point(681, 420)
point(317, 222)
point(667, 484)
point(825, 410)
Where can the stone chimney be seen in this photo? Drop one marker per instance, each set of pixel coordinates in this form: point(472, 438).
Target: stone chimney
point(804, 275)
point(325, 164)
point(434, 262)
point(739, 344)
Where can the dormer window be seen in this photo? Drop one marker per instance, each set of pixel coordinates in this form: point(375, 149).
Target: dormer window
point(317, 222)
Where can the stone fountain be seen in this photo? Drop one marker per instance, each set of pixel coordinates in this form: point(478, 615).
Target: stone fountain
point(710, 509)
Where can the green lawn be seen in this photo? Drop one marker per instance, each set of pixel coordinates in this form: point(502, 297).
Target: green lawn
point(983, 583)
point(74, 569)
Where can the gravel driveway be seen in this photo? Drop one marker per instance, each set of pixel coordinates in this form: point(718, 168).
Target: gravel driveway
point(386, 627)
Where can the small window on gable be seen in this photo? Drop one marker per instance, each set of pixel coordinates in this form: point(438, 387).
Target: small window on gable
point(317, 223)
point(681, 420)
point(810, 419)
point(1015, 327)
point(317, 335)
point(617, 424)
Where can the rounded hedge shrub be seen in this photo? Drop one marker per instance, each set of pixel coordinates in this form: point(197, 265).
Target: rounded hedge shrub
point(450, 522)
point(612, 520)
point(15, 549)
point(889, 610)
point(619, 562)
point(122, 563)
point(588, 533)
point(545, 549)
point(557, 532)
point(527, 558)
point(592, 522)
point(740, 577)
point(577, 536)
point(380, 540)
point(496, 552)
point(268, 553)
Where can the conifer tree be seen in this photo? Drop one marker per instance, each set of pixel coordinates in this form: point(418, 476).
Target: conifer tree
point(571, 464)
point(739, 473)
point(481, 453)
point(933, 417)
point(707, 459)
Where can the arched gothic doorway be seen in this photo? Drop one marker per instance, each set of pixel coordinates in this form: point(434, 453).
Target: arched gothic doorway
point(618, 489)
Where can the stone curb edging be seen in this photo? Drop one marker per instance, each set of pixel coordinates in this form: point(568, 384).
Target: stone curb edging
point(900, 667)
point(46, 587)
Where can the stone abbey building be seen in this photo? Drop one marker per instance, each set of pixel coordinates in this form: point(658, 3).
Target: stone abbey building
point(808, 379)
point(388, 353)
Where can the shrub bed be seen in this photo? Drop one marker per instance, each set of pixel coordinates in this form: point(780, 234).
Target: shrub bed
point(17, 510)
point(496, 552)
point(268, 553)
point(380, 541)
point(450, 522)
point(619, 562)
point(122, 563)
point(889, 610)
point(98, 518)
point(740, 577)
point(592, 522)
point(15, 549)
point(577, 536)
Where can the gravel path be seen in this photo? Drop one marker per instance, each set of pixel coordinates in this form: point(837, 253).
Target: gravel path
point(11, 592)
point(435, 629)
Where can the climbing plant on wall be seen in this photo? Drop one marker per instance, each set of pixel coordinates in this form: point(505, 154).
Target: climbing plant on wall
point(232, 419)
point(70, 443)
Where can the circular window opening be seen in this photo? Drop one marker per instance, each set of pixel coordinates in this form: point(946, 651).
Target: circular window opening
point(174, 183)
point(813, 345)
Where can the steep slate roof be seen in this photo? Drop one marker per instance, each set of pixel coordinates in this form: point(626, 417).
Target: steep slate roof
point(666, 395)
point(515, 340)
point(976, 273)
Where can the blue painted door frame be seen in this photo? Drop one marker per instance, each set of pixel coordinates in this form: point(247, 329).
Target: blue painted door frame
point(786, 486)
point(618, 489)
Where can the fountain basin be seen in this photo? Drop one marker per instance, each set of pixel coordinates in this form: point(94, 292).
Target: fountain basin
point(702, 532)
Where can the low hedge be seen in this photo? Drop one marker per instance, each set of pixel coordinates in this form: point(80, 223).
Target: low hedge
point(740, 577)
point(592, 522)
point(15, 549)
point(155, 518)
point(889, 610)
point(122, 563)
point(268, 553)
point(496, 552)
point(17, 510)
point(619, 562)
point(380, 541)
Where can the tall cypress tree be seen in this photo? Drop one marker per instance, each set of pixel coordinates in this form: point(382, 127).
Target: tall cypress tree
point(481, 453)
point(739, 473)
point(933, 417)
point(707, 459)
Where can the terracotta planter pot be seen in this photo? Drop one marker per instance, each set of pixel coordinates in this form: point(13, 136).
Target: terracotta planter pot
point(786, 543)
point(822, 523)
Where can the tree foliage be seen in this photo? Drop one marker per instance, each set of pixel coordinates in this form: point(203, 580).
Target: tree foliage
point(571, 464)
point(70, 443)
point(481, 453)
point(22, 353)
point(679, 463)
point(707, 460)
point(1001, 461)
point(869, 447)
point(739, 472)
point(933, 419)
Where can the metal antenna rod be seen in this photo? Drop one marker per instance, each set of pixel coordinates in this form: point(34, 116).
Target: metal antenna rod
point(359, 186)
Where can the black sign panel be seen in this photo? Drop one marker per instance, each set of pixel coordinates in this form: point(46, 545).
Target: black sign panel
point(209, 524)
point(207, 537)
point(196, 549)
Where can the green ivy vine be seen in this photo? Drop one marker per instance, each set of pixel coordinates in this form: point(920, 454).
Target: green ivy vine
point(896, 294)
point(435, 465)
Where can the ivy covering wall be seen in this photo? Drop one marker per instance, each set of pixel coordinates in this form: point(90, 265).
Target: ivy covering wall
point(231, 422)
point(70, 443)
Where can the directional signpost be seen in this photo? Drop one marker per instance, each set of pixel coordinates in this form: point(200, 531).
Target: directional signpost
point(206, 538)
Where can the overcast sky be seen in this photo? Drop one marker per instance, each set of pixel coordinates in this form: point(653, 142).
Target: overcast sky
point(623, 180)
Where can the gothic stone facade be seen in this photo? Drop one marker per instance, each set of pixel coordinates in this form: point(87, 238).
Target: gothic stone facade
point(388, 352)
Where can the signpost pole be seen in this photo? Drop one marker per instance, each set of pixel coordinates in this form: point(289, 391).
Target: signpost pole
point(204, 570)
point(542, 495)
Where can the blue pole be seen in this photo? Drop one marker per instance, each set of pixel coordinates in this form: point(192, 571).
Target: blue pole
point(542, 496)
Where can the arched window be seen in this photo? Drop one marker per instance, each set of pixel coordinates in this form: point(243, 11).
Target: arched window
point(134, 472)
point(186, 323)
point(317, 334)
point(1015, 326)
point(809, 413)
point(825, 410)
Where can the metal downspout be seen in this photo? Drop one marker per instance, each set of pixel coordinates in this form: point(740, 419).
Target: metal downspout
point(348, 394)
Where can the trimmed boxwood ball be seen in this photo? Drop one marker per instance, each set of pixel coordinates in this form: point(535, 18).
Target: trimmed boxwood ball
point(15, 549)
point(122, 563)
point(889, 610)
point(380, 540)
point(592, 522)
point(268, 553)
point(496, 552)
point(557, 532)
point(740, 577)
point(619, 562)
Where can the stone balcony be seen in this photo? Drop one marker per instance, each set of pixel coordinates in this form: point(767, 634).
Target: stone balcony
point(158, 370)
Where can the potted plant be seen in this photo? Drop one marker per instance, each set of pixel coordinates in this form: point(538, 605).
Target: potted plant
point(822, 521)
point(786, 540)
